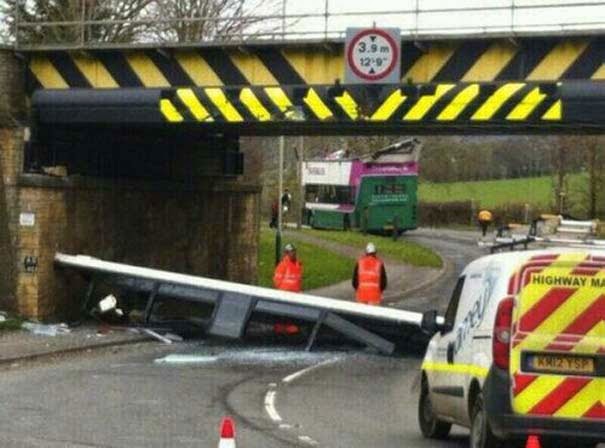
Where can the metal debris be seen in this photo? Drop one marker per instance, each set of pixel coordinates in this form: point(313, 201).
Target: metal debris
point(157, 336)
point(46, 330)
point(186, 359)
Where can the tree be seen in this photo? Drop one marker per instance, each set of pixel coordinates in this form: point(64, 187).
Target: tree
point(591, 154)
point(29, 13)
point(48, 21)
point(587, 187)
point(561, 172)
point(200, 20)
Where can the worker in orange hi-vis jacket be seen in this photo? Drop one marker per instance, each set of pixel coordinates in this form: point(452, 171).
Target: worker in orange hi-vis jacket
point(288, 277)
point(369, 277)
point(485, 219)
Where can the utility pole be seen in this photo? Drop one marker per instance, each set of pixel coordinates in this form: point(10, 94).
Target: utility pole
point(280, 168)
point(82, 26)
point(17, 24)
point(326, 18)
point(284, 6)
point(241, 19)
point(301, 187)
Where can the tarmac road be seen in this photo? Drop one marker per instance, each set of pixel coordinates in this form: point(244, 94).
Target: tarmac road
point(365, 401)
point(457, 249)
point(280, 397)
point(124, 399)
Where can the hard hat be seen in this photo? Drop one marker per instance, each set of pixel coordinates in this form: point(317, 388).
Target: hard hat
point(289, 248)
point(370, 248)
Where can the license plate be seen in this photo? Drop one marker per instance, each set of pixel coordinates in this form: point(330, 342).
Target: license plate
point(561, 364)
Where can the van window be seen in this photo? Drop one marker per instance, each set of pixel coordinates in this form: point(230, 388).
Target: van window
point(450, 314)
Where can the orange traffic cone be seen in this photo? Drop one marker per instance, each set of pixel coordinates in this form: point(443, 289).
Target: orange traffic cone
point(227, 439)
point(533, 442)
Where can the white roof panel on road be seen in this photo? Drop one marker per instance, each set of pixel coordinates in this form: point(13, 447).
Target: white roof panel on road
point(339, 306)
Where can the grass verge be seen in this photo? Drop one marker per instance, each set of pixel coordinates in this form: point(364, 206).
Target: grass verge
point(11, 324)
point(400, 250)
point(537, 191)
point(326, 269)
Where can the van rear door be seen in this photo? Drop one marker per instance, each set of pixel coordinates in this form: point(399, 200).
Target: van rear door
point(558, 342)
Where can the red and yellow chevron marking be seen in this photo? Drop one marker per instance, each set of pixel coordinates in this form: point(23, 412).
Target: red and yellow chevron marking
point(560, 309)
point(559, 396)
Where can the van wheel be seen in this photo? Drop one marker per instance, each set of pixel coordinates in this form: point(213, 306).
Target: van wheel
point(431, 427)
point(481, 434)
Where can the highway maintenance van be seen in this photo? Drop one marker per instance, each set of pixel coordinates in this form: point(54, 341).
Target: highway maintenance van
point(520, 351)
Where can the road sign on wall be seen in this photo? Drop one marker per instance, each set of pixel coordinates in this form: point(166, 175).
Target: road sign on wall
point(373, 55)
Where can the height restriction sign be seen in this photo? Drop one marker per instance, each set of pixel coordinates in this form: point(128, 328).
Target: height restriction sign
point(373, 55)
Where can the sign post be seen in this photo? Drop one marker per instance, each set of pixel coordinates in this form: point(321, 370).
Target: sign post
point(280, 211)
point(373, 56)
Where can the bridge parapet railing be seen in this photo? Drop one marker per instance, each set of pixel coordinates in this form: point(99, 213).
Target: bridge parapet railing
point(289, 20)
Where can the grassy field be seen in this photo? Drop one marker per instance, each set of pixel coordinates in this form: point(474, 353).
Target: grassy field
point(537, 191)
point(401, 250)
point(327, 267)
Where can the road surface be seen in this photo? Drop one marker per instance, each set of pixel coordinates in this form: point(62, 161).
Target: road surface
point(280, 397)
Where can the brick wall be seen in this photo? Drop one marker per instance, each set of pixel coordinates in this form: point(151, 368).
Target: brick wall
point(12, 106)
point(210, 231)
point(12, 91)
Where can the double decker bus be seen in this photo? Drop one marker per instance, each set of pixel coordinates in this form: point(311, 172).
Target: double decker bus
point(376, 193)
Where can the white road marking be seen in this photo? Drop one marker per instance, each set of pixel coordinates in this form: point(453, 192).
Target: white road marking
point(306, 370)
point(271, 395)
point(270, 406)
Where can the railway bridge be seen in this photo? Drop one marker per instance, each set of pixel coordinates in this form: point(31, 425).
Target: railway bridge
point(131, 153)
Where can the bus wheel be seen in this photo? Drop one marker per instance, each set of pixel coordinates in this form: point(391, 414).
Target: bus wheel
point(430, 426)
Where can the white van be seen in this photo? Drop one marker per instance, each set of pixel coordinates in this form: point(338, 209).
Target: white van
point(521, 351)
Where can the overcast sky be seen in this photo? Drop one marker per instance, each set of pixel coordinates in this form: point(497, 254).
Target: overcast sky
point(529, 15)
point(569, 14)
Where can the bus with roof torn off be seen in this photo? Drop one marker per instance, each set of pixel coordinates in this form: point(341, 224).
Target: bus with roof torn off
point(376, 193)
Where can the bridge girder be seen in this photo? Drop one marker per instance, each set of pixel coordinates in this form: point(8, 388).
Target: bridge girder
point(530, 84)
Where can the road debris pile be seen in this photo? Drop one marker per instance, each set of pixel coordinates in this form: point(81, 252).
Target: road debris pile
point(258, 356)
point(46, 329)
point(546, 230)
point(233, 305)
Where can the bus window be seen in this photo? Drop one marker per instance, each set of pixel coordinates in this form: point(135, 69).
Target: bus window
point(389, 189)
point(329, 194)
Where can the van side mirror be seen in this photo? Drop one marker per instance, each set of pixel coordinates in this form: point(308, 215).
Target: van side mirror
point(429, 323)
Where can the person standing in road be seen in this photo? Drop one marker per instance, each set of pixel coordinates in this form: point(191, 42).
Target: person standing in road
point(288, 277)
point(286, 201)
point(485, 219)
point(274, 214)
point(369, 277)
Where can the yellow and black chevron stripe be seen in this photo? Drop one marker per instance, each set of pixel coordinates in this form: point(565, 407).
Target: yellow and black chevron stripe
point(537, 59)
point(447, 103)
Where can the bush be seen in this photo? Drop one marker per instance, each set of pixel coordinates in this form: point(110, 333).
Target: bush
point(464, 213)
point(435, 214)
